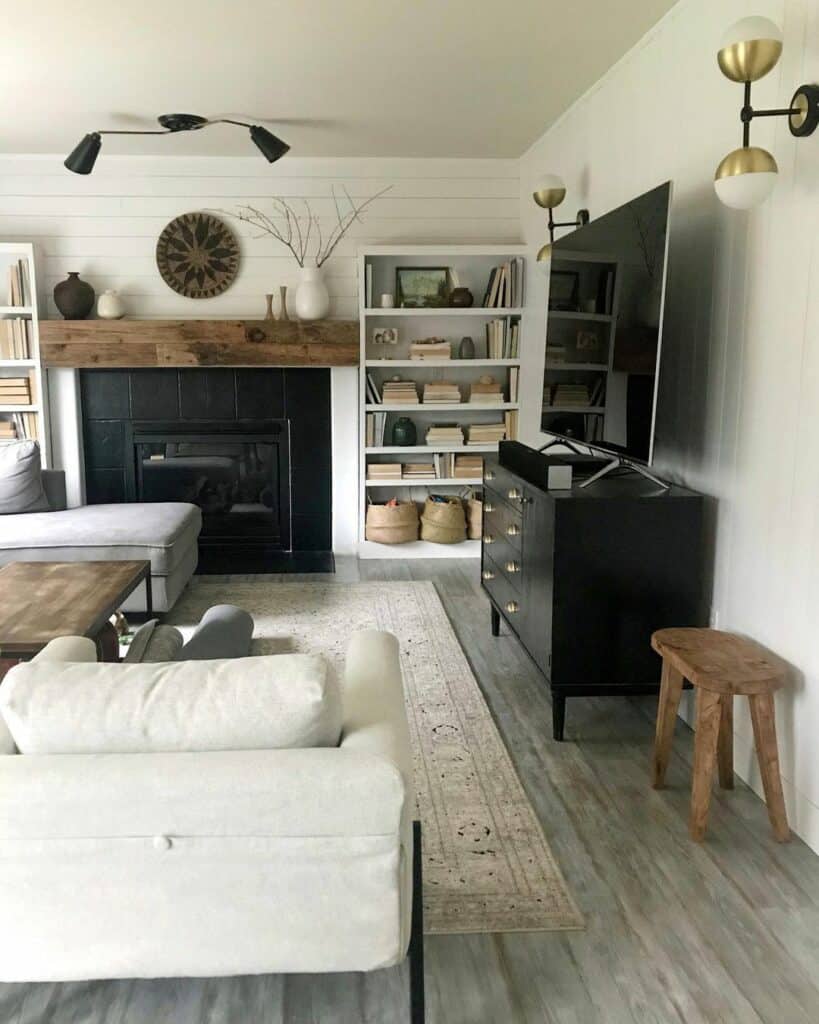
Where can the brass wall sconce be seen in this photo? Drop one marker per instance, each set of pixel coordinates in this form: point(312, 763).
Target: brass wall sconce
point(549, 193)
point(750, 49)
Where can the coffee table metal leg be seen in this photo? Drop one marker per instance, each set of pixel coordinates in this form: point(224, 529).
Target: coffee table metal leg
point(149, 596)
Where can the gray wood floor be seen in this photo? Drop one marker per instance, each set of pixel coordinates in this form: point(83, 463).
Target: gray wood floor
point(722, 933)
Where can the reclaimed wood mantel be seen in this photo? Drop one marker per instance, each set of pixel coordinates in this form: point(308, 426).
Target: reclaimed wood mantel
point(83, 344)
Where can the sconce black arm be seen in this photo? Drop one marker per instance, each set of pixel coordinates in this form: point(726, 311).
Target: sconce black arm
point(804, 107)
point(581, 219)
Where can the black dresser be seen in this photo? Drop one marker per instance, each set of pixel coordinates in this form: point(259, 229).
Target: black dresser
point(584, 576)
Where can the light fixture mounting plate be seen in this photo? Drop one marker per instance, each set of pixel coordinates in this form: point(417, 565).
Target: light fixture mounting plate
point(806, 102)
point(182, 122)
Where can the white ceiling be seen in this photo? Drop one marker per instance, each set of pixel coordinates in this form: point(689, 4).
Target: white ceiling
point(423, 78)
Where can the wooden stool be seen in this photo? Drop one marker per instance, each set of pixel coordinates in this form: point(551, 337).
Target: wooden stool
point(719, 665)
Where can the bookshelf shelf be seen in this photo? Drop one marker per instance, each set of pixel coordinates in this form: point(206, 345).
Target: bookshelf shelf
point(495, 330)
point(17, 262)
point(592, 367)
point(565, 314)
point(593, 410)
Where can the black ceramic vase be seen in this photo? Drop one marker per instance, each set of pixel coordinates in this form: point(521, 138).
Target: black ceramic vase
point(461, 298)
point(404, 433)
point(74, 298)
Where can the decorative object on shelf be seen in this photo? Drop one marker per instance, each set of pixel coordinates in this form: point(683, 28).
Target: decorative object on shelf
point(564, 291)
point(404, 434)
point(385, 336)
point(422, 287)
point(443, 520)
point(750, 49)
point(432, 349)
point(549, 192)
point(198, 255)
point(312, 297)
point(393, 523)
point(461, 298)
point(268, 315)
point(387, 300)
point(466, 350)
point(110, 306)
point(283, 314)
point(74, 297)
point(82, 158)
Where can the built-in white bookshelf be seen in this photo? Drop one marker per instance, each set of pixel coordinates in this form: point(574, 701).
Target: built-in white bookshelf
point(380, 362)
point(20, 347)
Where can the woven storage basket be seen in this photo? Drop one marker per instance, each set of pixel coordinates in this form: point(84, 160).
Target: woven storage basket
point(443, 522)
point(392, 524)
point(474, 518)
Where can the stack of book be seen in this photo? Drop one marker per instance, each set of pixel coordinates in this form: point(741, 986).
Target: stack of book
point(441, 391)
point(15, 339)
point(376, 422)
point(430, 348)
point(8, 431)
point(419, 471)
point(400, 392)
point(468, 466)
point(23, 425)
point(445, 434)
point(571, 394)
point(503, 339)
point(485, 391)
point(486, 433)
point(19, 293)
point(384, 471)
point(505, 286)
point(15, 391)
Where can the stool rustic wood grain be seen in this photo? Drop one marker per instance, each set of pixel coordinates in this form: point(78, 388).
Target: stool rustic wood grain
point(719, 666)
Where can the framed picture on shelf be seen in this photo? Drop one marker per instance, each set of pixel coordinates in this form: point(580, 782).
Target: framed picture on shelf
point(385, 336)
point(422, 287)
point(564, 291)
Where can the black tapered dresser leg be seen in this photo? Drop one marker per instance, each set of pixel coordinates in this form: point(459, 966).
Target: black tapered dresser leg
point(495, 620)
point(558, 715)
point(416, 946)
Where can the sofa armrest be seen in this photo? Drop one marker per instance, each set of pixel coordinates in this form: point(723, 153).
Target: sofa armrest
point(68, 648)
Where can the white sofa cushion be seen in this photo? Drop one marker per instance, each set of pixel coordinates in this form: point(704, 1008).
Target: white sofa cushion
point(284, 701)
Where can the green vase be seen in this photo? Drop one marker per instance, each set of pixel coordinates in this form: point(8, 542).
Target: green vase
point(404, 433)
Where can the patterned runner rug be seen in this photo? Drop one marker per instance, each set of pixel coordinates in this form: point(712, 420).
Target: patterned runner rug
point(487, 864)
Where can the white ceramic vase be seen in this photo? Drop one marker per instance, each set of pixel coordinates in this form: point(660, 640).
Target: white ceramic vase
point(110, 306)
point(312, 297)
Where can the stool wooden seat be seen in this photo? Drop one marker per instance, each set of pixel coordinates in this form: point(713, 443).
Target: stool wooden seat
point(719, 665)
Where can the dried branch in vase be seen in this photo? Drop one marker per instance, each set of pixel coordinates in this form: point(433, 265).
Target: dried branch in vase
point(294, 230)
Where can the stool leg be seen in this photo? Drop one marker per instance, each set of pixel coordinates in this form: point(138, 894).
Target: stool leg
point(725, 744)
point(705, 753)
point(670, 689)
point(763, 717)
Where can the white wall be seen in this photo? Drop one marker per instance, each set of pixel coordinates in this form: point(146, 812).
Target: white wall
point(740, 379)
point(106, 225)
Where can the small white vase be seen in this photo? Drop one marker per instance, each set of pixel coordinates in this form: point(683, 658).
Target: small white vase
point(312, 297)
point(110, 306)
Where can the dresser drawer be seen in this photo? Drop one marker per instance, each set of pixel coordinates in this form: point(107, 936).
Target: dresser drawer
point(506, 558)
point(505, 523)
point(504, 484)
point(507, 599)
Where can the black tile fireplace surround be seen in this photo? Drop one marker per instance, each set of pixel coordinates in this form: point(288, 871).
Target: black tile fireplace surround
point(251, 447)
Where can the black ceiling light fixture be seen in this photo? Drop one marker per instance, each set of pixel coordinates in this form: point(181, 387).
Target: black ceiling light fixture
point(82, 158)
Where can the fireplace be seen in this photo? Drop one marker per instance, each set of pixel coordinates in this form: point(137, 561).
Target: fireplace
point(250, 447)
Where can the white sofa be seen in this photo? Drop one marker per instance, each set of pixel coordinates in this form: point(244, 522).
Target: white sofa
point(220, 862)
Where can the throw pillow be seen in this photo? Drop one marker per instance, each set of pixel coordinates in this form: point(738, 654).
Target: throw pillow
point(21, 479)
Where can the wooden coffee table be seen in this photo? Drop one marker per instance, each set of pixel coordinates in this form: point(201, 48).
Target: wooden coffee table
point(43, 600)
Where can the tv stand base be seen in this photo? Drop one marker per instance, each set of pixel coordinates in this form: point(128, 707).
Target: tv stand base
point(618, 463)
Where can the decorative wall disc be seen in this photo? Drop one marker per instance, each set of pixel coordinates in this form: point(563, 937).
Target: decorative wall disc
point(198, 255)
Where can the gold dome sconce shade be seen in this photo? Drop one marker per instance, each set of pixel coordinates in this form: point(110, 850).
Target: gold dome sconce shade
point(749, 50)
point(544, 253)
point(549, 192)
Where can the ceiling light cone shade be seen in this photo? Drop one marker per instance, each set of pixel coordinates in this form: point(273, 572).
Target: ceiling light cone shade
point(746, 177)
point(271, 147)
point(549, 192)
point(82, 158)
point(749, 49)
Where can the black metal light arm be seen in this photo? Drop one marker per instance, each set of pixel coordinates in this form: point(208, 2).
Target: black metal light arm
point(748, 113)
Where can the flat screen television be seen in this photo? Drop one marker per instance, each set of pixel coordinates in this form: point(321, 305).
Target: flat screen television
point(604, 329)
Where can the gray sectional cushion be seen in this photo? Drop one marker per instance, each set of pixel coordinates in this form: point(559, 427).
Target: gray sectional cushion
point(224, 631)
point(21, 484)
point(161, 531)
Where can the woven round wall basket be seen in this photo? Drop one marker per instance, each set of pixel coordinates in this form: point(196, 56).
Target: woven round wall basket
point(443, 522)
point(198, 255)
point(392, 524)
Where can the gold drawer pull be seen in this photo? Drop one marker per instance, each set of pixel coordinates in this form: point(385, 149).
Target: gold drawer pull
point(512, 607)
point(489, 474)
point(488, 574)
point(488, 538)
point(488, 506)
point(513, 530)
point(512, 567)
point(514, 494)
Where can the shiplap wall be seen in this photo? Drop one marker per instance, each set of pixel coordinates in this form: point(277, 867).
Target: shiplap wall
point(739, 387)
point(106, 225)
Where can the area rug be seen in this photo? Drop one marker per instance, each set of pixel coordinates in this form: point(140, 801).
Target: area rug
point(487, 865)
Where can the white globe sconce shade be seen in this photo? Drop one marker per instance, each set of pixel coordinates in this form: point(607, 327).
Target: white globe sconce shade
point(750, 49)
point(745, 178)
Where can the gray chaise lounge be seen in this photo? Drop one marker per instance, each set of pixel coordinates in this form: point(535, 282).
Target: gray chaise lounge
point(164, 532)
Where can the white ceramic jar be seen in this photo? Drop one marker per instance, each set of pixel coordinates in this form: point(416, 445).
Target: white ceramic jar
point(110, 306)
